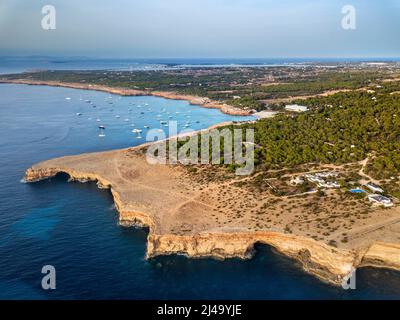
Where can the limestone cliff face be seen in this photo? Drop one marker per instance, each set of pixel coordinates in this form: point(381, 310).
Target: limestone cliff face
point(327, 263)
point(382, 255)
point(126, 217)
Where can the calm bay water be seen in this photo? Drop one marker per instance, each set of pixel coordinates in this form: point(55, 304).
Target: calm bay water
point(74, 226)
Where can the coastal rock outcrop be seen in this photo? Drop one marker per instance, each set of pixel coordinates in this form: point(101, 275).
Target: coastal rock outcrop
point(149, 197)
point(327, 263)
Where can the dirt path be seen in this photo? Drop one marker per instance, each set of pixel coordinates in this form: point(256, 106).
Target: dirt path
point(361, 172)
point(362, 231)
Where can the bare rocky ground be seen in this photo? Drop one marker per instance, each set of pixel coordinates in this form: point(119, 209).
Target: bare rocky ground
point(208, 211)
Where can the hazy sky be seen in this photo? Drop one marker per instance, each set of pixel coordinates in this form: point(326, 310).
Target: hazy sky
point(201, 28)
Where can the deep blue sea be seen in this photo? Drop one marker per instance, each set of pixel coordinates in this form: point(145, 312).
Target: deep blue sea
point(74, 226)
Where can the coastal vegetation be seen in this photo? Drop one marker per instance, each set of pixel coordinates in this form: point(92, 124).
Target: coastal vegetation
point(338, 129)
point(360, 121)
point(245, 87)
point(353, 133)
point(347, 127)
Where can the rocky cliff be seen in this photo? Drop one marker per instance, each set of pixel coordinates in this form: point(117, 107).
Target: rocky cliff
point(327, 263)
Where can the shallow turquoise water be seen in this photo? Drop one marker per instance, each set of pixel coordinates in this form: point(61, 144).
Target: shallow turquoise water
point(74, 226)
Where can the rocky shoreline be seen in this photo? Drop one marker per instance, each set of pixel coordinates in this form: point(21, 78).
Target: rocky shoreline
point(330, 264)
point(200, 101)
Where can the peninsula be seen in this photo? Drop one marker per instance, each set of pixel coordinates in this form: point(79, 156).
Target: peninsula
point(187, 214)
point(326, 184)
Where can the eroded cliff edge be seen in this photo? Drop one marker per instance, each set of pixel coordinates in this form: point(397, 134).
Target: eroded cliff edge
point(180, 216)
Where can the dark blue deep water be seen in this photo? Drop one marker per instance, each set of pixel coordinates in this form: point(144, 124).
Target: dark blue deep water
point(74, 227)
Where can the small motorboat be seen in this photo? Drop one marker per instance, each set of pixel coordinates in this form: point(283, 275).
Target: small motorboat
point(102, 133)
point(78, 114)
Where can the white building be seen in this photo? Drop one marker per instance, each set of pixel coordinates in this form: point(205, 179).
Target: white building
point(297, 181)
point(318, 179)
point(373, 187)
point(380, 200)
point(296, 108)
point(315, 179)
point(327, 174)
point(330, 185)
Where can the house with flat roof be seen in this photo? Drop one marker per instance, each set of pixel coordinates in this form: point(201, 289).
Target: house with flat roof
point(296, 108)
point(374, 187)
point(380, 200)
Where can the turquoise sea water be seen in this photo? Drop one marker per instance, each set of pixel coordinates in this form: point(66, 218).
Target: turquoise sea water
point(74, 227)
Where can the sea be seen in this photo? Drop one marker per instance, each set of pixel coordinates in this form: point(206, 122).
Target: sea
point(74, 226)
point(15, 64)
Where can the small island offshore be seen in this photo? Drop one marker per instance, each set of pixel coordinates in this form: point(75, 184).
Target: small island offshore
point(325, 188)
